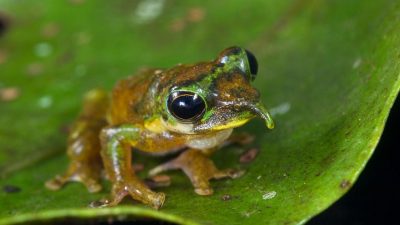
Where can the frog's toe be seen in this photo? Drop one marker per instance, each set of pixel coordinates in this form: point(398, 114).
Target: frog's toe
point(202, 187)
point(144, 195)
point(56, 183)
point(158, 200)
point(228, 173)
point(90, 180)
point(117, 194)
point(103, 203)
point(204, 191)
point(137, 191)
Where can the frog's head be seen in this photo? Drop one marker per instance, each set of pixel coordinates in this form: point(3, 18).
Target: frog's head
point(213, 96)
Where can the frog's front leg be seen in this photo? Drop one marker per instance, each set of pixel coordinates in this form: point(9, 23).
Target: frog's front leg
point(199, 168)
point(116, 154)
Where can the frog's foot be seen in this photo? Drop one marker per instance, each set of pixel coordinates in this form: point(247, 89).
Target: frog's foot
point(86, 174)
point(136, 189)
point(199, 168)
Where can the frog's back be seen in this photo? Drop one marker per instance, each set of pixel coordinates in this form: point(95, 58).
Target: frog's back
point(128, 96)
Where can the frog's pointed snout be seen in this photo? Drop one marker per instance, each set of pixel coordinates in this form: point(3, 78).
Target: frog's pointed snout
point(260, 110)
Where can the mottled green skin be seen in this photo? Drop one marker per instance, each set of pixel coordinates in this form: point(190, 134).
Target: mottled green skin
point(137, 115)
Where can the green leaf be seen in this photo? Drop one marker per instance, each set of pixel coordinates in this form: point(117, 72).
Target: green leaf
point(329, 71)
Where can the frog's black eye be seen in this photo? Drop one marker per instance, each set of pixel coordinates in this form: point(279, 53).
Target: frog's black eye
point(186, 106)
point(252, 63)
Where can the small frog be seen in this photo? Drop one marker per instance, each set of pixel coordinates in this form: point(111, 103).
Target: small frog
point(188, 108)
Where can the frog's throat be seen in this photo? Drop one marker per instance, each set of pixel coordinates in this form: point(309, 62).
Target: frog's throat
point(259, 110)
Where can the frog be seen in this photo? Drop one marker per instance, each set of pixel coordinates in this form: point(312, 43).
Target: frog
point(191, 109)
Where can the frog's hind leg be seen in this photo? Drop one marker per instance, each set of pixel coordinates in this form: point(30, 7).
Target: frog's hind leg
point(199, 168)
point(84, 144)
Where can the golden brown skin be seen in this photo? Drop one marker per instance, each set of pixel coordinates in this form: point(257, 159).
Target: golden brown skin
point(189, 107)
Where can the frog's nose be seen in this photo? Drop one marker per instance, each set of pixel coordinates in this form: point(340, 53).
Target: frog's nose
point(260, 110)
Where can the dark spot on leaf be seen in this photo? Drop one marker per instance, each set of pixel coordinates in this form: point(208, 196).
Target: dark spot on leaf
point(65, 128)
point(34, 69)
point(249, 155)
point(178, 25)
point(11, 189)
point(196, 14)
point(4, 24)
point(65, 57)
point(327, 160)
point(226, 197)
point(345, 184)
point(50, 30)
point(9, 94)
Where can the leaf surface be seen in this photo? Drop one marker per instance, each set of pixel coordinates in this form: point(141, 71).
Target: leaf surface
point(329, 72)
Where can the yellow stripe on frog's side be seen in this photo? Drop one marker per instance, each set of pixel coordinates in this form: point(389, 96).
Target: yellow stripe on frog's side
point(232, 124)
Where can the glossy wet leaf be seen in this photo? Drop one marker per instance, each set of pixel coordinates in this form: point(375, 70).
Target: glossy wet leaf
point(329, 71)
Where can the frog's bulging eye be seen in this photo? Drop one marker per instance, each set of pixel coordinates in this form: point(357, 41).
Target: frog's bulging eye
point(186, 106)
point(253, 64)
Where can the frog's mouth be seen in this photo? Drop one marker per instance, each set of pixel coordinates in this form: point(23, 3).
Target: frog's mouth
point(250, 111)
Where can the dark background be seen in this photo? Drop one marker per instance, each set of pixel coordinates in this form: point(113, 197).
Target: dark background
point(374, 198)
